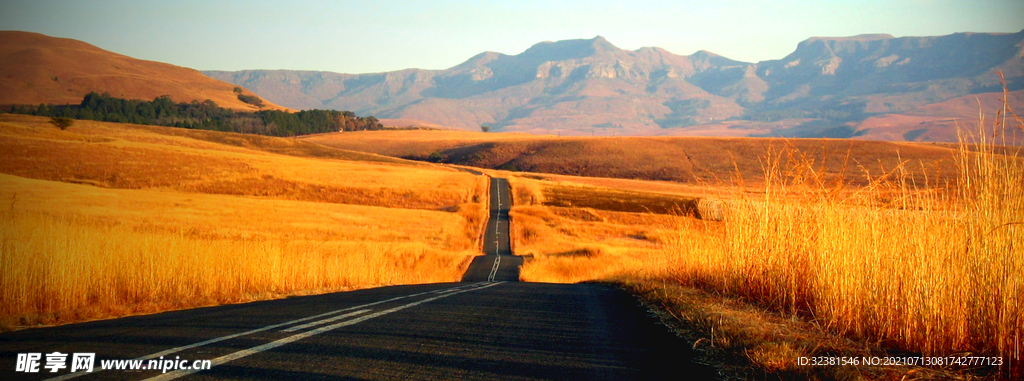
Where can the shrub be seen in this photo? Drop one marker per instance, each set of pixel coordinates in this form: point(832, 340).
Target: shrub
point(61, 122)
point(251, 99)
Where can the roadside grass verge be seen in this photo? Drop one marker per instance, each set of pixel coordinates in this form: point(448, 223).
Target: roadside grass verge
point(894, 264)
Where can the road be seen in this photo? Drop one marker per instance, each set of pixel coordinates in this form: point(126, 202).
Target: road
point(498, 263)
point(488, 327)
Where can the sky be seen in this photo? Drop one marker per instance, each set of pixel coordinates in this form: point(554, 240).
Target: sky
point(384, 35)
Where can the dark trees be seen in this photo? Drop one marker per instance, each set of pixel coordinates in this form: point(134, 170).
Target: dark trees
point(205, 115)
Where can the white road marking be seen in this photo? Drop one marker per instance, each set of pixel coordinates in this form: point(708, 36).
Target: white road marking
point(269, 327)
point(494, 269)
point(325, 321)
point(274, 344)
point(497, 233)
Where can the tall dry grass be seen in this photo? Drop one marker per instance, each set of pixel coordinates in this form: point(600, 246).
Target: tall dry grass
point(904, 260)
point(58, 269)
point(937, 273)
point(169, 220)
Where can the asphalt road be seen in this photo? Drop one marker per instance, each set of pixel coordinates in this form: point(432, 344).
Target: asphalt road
point(488, 327)
point(498, 263)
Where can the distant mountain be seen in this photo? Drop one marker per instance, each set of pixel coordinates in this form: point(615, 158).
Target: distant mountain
point(36, 68)
point(828, 87)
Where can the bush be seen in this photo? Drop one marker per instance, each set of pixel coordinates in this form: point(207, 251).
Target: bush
point(251, 99)
point(61, 122)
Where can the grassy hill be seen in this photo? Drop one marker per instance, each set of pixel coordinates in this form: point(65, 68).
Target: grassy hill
point(42, 69)
point(687, 160)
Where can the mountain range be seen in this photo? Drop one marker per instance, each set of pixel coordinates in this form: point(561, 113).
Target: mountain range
point(868, 86)
point(872, 86)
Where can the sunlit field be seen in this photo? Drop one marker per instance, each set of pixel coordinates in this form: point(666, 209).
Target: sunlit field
point(913, 262)
point(669, 164)
point(410, 142)
point(107, 219)
point(821, 253)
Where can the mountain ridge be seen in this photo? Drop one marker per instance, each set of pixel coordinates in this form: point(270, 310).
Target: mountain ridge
point(827, 87)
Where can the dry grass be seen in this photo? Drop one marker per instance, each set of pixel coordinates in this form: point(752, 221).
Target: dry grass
point(690, 162)
point(416, 143)
point(927, 274)
point(630, 185)
point(178, 222)
point(59, 270)
point(124, 156)
point(575, 195)
point(897, 262)
point(607, 236)
point(42, 69)
point(748, 342)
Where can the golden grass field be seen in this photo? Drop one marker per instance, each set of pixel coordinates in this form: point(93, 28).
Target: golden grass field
point(693, 161)
point(410, 142)
point(805, 265)
point(828, 247)
point(108, 219)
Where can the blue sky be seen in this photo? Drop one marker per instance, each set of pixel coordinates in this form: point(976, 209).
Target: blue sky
point(382, 35)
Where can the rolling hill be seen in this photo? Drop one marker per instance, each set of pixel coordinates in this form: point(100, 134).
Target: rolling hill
point(692, 161)
point(41, 69)
point(828, 87)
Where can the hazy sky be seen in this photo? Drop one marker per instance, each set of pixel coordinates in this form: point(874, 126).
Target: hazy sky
point(381, 35)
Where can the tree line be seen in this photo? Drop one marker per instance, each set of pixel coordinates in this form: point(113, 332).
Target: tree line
point(206, 115)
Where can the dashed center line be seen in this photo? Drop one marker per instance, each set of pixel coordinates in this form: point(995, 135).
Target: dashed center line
point(277, 343)
point(494, 269)
point(325, 321)
point(497, 233)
